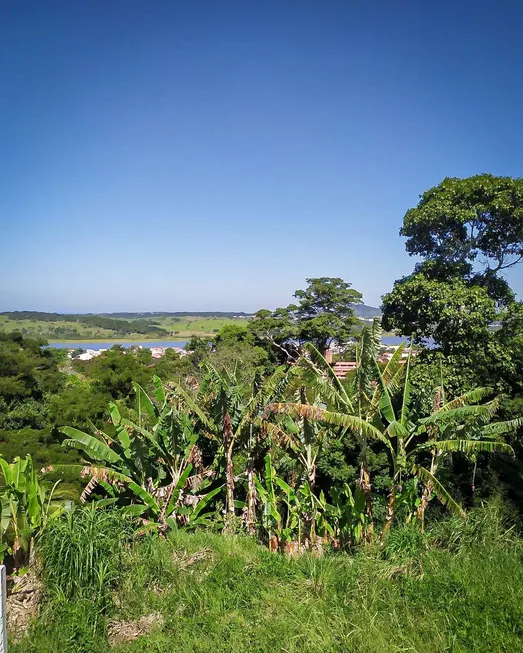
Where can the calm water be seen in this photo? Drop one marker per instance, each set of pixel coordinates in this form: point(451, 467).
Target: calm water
point(386, 340)
point(393, 340)
point(99, 344)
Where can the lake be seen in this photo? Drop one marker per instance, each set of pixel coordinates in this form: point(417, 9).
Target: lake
point(393, 340)
point(99, 344)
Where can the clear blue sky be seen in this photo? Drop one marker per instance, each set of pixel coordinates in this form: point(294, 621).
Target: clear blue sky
point(185, 155)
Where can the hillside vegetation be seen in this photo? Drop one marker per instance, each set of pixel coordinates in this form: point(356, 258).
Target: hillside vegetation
point(252, 496)
point(129, 326)
point(58, 327)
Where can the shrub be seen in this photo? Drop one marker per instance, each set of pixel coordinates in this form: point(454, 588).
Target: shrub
point(82, 552)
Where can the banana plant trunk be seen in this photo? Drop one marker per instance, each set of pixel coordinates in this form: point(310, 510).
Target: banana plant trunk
point(366, 488)
point(427, 490)
point(389, 515)
point(424, 502)
point(250, 515)
point(310, 515)
point(228, 441)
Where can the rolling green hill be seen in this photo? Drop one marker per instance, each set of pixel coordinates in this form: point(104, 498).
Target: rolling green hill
point(62, 327)
point(130, 326)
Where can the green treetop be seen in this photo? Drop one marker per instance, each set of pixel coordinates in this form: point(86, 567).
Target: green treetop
point(323, 314)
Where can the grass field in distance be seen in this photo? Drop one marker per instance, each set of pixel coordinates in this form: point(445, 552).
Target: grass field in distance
point(179, 328)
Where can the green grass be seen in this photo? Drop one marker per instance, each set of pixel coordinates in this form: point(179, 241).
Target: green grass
point(82, 552)
point(198, 326)
point(459, 589)
point(186, 326)
point(42, 329)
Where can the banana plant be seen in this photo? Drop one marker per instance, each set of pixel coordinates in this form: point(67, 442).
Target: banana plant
point(217, 410)
point(353, 407)
point(26, 505)
point(303, 437)
point(293, 524)
point(446, 430)
point(347, 514)
point(369, 410)
point(291, 516)
point(231, 413)
point(152, 465)
point(255, 433)
point(272, 521)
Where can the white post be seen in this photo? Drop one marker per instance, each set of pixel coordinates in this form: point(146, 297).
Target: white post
point(3, 611)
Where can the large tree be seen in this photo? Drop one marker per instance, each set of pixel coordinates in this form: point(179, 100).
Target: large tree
point(474, 220)
point(323, 314)
point(468, 231)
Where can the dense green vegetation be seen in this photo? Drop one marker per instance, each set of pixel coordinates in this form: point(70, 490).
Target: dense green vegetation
point(455, 588)
point(395, 493)
point(130, 326)
point(56, 325)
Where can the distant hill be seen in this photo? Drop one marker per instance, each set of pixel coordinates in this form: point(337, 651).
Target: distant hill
point(127, 326)
point(153, 314)
point(362, 310)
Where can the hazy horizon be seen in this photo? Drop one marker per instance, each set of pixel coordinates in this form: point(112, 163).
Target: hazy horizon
point(160, 310)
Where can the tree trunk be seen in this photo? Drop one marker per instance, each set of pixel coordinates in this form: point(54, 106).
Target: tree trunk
point(425, 495)
point(389, 515)
point(250, 514)
point(420, 513)
point(366, 488)
point(228, 441)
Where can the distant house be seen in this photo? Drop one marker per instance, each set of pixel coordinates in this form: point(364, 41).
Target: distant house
point(158, 352)
point(87, 355)
point(342, 368)
point(180, 351)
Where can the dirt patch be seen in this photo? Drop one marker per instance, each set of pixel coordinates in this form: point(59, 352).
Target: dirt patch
point(120, 632)
point(184, 560)
point(23, 599)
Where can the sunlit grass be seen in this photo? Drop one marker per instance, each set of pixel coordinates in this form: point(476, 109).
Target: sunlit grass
point(218, 593)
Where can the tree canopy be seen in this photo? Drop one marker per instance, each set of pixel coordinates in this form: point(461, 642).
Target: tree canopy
point(468, 231)
point(474, 220)
point(323, 314)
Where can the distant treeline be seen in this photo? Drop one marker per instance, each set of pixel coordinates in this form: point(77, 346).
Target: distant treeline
point(123, 327)
point(214, 314)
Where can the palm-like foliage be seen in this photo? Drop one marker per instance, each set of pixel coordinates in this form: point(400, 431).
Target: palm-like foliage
point(256, 433)
point(354, 408)
point(230, 412)
point(26, 506)
point(218, 410)
point(377, 406)
point(152, 461)
point(457, 425)
point(152, 464)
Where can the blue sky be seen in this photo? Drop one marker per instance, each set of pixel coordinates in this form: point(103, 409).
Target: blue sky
point(211, 155)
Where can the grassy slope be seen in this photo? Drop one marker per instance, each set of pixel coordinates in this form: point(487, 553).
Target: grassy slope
point(198, 326)
point(238, 597)
point(187, 327)
point(43, 329)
